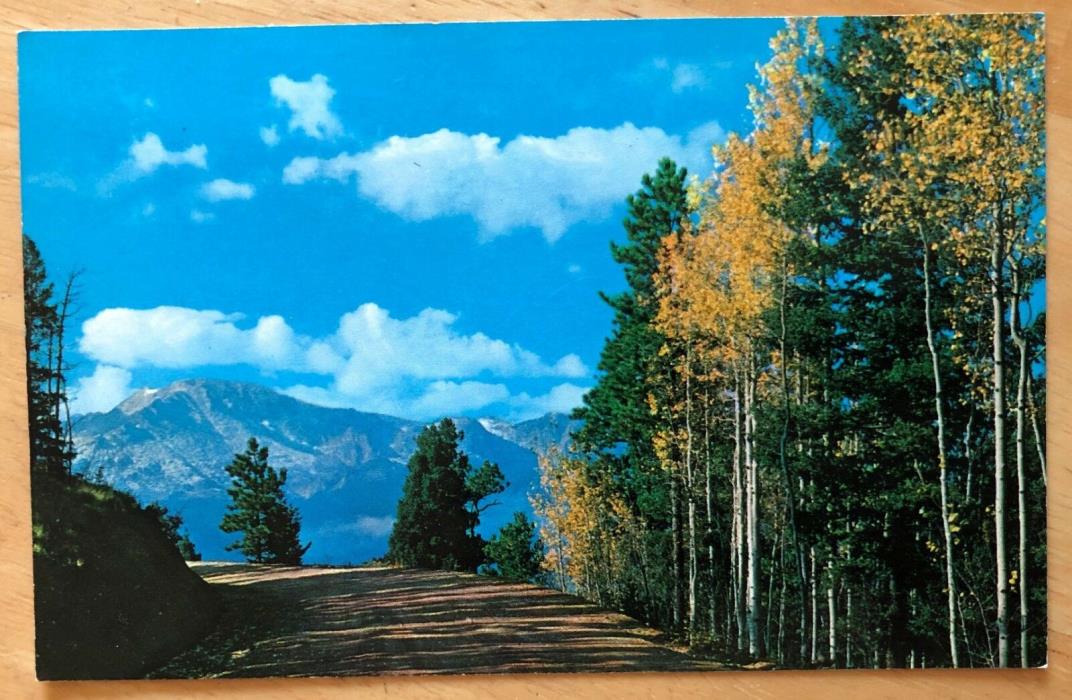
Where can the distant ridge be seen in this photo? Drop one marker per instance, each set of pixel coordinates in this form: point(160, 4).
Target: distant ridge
point(345, 467)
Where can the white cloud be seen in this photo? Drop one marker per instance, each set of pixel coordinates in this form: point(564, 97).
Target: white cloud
point(322, 396)
point(145, 156)
point(309, 103)
point(570, 366)
point(443, 398)
point(562, 398)
point(546, 183)
point(148, 210)
point(301, 169)
point(178, 337)
point(574, 269)
point(222, 189)
point(101, 391)
point(687, 75)
point(200, 217)
point(270, 135)
point(149, 153)
point(421, 366)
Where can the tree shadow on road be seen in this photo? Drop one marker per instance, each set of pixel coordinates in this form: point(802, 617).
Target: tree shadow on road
point(304, 621)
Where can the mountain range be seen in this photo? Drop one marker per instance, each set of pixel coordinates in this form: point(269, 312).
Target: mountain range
point(345, 467)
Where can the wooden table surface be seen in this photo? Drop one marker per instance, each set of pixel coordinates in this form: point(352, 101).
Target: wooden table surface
point(16, 609)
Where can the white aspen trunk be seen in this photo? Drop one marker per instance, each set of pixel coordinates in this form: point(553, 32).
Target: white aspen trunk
point(738, 512)
point(939, 409)
point(997, 259)
point(968, 457)
point(964, 632)
point(801, 557)
point(1021, 480)
point(691, 495)
point(848, 627)
point(710, 510)
point(752, 516)
point(675, 543)
point(781, 605)
point(782, 449)
point(677, 565)
point(770, 588)
point(1040, 446)
point(831, 605)
point(814, 611)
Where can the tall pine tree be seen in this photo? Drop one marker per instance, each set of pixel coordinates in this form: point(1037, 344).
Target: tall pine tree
point(619, 426)
point(435, 525)
point(45, 386)
point(270, 527)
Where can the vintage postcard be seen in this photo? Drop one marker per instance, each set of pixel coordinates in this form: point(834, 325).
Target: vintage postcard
point(537, 347)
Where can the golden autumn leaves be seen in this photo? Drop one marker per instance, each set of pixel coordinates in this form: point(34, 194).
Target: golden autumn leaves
point(945, 178)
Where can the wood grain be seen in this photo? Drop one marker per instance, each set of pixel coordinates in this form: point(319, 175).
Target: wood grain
point(16, 609)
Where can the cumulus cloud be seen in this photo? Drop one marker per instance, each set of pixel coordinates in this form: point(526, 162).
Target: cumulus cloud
point(178, 337)
point(101, 391)
point(309, 103)
point(200, 217)
point(562, 398)
point(149, 153)
point(421, 366)
point(222, 189)
point(145, 156)
point(269, 135)
point(530, 181)
point(443, 398)
point(301, 169)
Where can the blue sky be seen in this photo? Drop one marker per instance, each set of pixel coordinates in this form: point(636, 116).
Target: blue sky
point(410, 219)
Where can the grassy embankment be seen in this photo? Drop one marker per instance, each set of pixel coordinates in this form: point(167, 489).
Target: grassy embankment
point(112, 596)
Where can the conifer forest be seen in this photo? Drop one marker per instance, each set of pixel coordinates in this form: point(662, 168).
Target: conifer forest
point(818, 430)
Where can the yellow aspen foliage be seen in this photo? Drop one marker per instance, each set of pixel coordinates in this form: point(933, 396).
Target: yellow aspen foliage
point(717, 278)
point(589, 532)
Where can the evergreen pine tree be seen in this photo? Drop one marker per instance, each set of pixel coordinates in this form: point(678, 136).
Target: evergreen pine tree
point(47, 440)
point(616, 411)
point(619, 427)
point(515, 551)
point(270, 527)
point(483, 483)
point(437, 514)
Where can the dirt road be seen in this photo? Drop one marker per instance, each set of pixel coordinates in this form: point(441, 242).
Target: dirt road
point(307, 621)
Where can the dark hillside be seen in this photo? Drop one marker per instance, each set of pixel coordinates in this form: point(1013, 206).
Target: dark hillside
point(113, 597)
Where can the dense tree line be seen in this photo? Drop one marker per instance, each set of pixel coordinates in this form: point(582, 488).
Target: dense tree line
point(818, 434)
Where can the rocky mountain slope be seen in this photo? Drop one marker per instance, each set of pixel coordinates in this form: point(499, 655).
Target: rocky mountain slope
point(345, 468)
